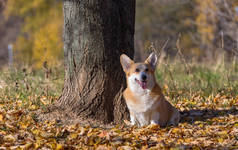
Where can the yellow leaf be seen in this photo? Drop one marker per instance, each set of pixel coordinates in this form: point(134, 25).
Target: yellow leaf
point(33, 107)
point(187, 140)
point(59, 147)
point(3, 132)
point(36, 131)
point(195, 148)
point(52, 145)
point(175, 130)
point(236, 125)
point(220, 140)
point(201, 125)
point(23, 125)
point(1, 117)
point(27, 146)
point(153, 127)
point(44, 101)
point(39, 143)
point(73, 136)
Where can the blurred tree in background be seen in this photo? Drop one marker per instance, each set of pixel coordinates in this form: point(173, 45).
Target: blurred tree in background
point(217, 24)
point(159, 20)
point(208, 28)
point(205, 23)
point(41, 35)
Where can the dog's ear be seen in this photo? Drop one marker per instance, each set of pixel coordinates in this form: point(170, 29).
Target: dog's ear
point(126, 62)
point(152, 60)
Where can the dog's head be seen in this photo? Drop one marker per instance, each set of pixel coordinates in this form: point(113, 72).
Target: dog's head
point(139, 75)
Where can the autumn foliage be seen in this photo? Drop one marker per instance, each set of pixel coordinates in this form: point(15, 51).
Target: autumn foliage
point(205, 28)
point(41, 34)
point(205, 93)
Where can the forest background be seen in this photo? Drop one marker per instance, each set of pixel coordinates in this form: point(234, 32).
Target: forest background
point(202, 30)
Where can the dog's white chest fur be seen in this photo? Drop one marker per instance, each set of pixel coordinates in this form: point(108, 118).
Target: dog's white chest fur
point(143, 109)
point(143, 104)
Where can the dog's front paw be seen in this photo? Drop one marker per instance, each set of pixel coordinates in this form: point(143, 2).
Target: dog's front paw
point(154, 122)
point(129, 123)
point(132, 123)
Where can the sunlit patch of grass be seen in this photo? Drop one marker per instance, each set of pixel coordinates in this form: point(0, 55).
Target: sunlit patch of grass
point(203, 80)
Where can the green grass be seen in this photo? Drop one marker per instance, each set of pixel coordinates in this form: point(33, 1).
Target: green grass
point(29, 86)
point(205, 80)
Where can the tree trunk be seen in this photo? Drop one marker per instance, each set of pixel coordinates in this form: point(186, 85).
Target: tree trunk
point(96, 33)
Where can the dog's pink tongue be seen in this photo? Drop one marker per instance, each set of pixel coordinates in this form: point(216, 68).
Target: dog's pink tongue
point(143, 85)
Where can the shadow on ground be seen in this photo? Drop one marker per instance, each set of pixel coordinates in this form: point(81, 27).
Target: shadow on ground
point(190, 116)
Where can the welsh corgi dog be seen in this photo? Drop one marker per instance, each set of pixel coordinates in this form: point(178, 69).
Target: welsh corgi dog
point(144, 97)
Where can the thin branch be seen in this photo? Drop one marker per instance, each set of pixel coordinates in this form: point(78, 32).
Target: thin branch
point(187, 67)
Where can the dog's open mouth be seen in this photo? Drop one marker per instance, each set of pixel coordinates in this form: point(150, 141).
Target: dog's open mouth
point(143, 84)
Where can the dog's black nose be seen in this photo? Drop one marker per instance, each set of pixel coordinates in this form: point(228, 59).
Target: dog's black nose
point(143, 77)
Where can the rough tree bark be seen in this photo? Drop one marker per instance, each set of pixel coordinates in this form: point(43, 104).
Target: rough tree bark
point(96, 33)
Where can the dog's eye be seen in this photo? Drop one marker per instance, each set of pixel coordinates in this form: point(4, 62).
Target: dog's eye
point(137, 70)
point(146, 69)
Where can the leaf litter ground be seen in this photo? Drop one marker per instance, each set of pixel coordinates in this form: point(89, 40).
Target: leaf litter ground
point(207, 100)
point(208, 124)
